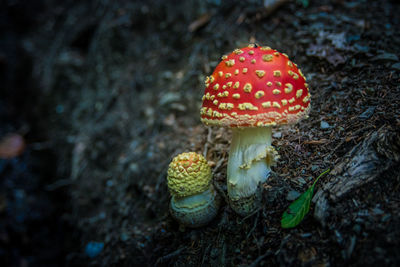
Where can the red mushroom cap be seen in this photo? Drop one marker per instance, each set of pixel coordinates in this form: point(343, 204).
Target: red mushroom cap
point(255, 86)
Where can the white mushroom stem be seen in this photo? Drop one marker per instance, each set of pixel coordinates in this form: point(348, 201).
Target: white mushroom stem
point(250, 159)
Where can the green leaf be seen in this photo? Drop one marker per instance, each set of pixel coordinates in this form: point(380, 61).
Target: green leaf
point(300, 207)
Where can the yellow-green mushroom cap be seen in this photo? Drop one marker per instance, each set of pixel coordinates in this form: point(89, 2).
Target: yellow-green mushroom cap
point(188, 174)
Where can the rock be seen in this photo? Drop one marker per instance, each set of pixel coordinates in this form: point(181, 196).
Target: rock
point(124, 237)
point(377, 211)
point(59, 109)
point(367, 114)
point(314, 167)
point(168, 75)
point(277, 135)
point(396, 66)
point(292, 195)
point(386, 57)
point(93, 249)
point(301, 180)
point(361, 49)
point(305, 235)
point(324, 125)
point(169, 97)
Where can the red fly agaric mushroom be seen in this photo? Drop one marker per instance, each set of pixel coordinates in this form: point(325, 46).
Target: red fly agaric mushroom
point(250, 90)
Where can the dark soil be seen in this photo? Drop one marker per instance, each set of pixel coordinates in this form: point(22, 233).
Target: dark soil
point(106, 93)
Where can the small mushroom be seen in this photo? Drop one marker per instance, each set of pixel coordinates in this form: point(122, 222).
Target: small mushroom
point(194, 201)
point(251, 90)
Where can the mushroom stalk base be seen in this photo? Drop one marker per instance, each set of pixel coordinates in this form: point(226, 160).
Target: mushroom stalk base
point(245, 206)
point(196, 210)
point(250, 158)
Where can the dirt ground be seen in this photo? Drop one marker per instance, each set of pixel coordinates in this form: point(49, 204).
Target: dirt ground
point(106, 93)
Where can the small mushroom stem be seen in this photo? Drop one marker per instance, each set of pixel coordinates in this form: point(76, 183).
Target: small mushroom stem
point(196, 210)
point(248, 165)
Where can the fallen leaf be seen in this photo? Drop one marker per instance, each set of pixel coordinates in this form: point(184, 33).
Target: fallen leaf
point(296, 212)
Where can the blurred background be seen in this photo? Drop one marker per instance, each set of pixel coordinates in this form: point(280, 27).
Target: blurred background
point(96, 98)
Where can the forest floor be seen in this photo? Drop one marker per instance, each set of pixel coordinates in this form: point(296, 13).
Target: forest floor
point(106, 93)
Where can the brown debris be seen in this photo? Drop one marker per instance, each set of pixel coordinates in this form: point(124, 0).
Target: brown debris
point(200, 22)
point(11, 146)
point(364, 163)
